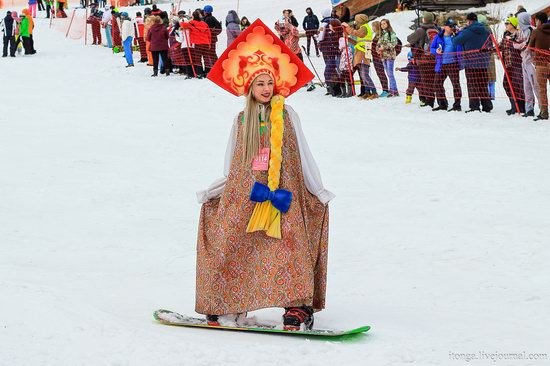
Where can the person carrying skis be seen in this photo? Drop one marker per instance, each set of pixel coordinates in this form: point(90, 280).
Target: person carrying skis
point(263, 228)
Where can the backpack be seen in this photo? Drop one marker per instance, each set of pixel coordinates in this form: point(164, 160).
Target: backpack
point(398, 47)
point(428, 39)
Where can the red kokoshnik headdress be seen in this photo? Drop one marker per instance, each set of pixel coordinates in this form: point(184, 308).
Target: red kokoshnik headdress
point(258, 51)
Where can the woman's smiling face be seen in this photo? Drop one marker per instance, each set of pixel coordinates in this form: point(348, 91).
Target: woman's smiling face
point(262, 88)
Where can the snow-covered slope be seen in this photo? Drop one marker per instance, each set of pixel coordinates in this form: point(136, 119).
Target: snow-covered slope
point(438, 239)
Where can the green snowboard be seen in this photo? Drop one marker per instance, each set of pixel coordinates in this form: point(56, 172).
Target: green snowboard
point(170, 318)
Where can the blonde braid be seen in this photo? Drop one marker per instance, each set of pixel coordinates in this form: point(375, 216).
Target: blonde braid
point(276, 141)
point(266, 216)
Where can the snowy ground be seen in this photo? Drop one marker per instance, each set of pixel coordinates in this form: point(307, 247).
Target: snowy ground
point(438, 239)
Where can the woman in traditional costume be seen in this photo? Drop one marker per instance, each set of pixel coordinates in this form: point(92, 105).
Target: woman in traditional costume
point(263, 230)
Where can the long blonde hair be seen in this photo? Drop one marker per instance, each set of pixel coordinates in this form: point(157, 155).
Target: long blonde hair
point(252, 113)
point(376, 27)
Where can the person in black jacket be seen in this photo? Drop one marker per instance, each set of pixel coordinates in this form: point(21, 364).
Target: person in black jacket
point(311, 26)
point(7, 25)
point(215, 29)
point(293, 19)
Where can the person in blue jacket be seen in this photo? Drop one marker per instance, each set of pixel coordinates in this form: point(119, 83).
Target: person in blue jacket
point(473, 39)
point(448, 63)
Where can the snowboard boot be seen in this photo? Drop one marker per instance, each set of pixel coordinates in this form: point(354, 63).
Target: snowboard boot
point(294, 317)
point(212, 320)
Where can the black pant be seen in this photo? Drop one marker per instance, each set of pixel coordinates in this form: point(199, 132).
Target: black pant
point(165, 60)
point(478, 89)
point(28, 45)
point(311, 34)
point(452, 72)
point(40, 5)
point(11, 42)
point(48, 10)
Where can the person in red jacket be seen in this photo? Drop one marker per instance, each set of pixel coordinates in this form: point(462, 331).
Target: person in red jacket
point(140, 30)
point(158, 38)
point(199, 33)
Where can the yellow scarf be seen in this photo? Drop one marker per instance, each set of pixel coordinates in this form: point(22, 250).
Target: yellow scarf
point(265, 216)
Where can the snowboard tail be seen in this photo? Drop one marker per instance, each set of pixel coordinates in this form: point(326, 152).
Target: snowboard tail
point(168, 317)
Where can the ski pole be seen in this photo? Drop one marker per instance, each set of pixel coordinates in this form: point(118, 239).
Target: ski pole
point(69, 28)
point(315, 70)
point(186, 34)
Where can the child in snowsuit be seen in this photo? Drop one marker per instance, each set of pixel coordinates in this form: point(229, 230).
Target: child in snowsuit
point(414, 76)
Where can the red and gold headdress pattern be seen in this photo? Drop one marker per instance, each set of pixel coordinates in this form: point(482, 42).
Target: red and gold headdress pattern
point(257, 51)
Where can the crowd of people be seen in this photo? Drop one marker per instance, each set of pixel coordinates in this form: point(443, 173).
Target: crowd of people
point(17, 31)
point(439, 49)
point(174, 42)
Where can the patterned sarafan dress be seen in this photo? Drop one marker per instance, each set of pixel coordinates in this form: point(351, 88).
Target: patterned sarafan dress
point(239, 271)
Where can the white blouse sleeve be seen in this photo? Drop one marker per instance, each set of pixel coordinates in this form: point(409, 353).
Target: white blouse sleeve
point(312, 176)
point(216, 188)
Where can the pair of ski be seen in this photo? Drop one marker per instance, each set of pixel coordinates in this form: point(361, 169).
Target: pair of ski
point(168, 317)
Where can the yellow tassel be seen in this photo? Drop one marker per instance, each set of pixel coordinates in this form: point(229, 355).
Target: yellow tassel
point(265, 216)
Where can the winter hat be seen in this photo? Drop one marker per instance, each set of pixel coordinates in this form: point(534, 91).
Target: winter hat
point(361, 19)
point(208, 9)
point(335, 23)
point(124, 14)
point(524, 20)
point(242, 62)
point(450, 23)
point(513, 20)
point(428, 17)
point(326, 13)
point(482, 19)
point(471, 16)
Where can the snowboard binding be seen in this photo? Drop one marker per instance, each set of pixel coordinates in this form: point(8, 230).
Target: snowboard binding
point(294, 317)
point(212, 320)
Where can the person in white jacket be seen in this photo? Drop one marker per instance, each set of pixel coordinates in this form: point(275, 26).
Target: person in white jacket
point(106, 24)
point(127, 34)
point(530, 85)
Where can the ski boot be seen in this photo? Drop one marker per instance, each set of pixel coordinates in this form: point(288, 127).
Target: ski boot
point(294, 317)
